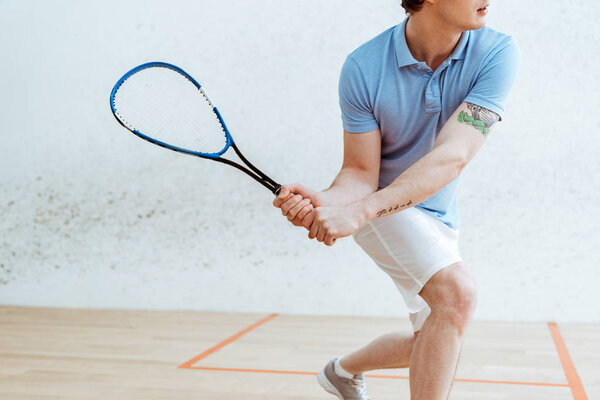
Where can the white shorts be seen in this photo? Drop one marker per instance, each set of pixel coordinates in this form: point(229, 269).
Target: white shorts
point(410, 246)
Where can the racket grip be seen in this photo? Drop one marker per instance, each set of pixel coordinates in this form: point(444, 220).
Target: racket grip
point(276, 190)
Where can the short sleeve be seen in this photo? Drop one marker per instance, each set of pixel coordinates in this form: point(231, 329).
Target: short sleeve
point(496, 78)
point(357, 111)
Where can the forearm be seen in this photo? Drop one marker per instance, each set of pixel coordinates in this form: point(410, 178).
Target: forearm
point(455, 146)
point(350, 185)
point(418, 183)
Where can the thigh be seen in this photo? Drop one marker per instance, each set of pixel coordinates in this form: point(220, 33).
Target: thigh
point(410, 246)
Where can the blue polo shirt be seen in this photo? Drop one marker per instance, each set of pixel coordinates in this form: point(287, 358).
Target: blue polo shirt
point(383, 86)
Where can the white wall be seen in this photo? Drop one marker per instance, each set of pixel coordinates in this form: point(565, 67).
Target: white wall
point(91, 216)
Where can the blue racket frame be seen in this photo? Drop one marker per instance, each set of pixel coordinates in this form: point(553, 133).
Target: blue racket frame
point(253, 172)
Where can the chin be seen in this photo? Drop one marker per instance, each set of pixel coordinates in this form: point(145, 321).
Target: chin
point(476, 25)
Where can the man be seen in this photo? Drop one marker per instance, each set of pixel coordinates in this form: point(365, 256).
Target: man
point(417, 103)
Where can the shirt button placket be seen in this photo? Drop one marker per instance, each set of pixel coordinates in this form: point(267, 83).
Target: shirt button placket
point(434, 101)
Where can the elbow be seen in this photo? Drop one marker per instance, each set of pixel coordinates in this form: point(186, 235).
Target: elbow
point(461, 164)
point(374, 185)
point(458, 165)
point(372, 180)
point(452, 159)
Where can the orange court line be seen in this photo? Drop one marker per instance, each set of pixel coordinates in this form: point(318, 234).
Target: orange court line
point(567, 364)
point(572, 378)
point(480, 381)
point(188, 364)
point(268, 371)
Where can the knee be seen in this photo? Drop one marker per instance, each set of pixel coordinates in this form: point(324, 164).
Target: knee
point(457, 303)
point(452, 295)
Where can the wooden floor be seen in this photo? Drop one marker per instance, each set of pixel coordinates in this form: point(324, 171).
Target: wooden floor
point(50, 353)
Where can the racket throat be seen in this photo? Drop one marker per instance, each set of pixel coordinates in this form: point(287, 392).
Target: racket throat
point(264, 176)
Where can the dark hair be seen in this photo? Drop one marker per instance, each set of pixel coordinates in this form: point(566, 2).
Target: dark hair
point(412, 6)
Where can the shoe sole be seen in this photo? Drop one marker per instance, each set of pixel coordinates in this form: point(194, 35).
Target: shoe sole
point(325, 384)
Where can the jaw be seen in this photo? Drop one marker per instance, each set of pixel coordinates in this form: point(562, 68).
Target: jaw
point(479, 23)
point(476, 21)
point(455, 19)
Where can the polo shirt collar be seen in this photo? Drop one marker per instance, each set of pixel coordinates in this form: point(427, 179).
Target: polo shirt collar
point(403, 55)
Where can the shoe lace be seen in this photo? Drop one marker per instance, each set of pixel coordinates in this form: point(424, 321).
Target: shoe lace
point(361, 388)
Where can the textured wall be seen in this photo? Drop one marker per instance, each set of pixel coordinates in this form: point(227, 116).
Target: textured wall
point(93, 217)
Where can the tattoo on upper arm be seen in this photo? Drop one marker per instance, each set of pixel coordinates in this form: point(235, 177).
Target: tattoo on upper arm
point(394, 207)
point(479, 118)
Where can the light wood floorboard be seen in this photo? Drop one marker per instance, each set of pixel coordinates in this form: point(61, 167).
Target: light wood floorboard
point(48, 353)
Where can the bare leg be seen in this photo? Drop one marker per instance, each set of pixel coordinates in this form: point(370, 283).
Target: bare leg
point(451, 296)
point(434, 359)
point(432, 353)
point(388, 351)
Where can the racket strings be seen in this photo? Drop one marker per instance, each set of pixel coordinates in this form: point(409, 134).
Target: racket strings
point(164, 105)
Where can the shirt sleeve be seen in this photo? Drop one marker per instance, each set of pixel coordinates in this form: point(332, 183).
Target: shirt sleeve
point(496, 78)
point(357, 111)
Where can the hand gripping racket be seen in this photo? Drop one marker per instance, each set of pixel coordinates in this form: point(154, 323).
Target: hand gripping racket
point(162, 104)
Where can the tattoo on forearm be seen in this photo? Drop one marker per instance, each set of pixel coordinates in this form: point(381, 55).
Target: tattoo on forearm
point(479, 118)
point(395, 207)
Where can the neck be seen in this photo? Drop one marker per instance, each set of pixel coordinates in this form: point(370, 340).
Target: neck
point(430, 39)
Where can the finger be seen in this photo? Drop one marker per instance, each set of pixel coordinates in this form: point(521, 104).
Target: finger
point(329, 240)
point(290, 203)
point(301, 214)
point(321, 234)
point(314, 228)
point(281, 202)
point(297, 221)
point(284, 192)
point(277, 202)
point(291, 214)
point(300, 189)
point(295, 188)
point(307, 221)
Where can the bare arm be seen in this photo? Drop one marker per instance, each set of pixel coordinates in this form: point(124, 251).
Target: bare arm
point(458, 142)
point(456, 145)
point(359, 175)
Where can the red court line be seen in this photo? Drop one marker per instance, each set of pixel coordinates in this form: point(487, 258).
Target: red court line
point(567, 364)
point(188, 364)
point(268, 371)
